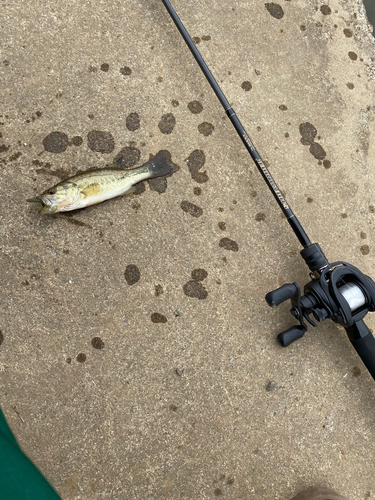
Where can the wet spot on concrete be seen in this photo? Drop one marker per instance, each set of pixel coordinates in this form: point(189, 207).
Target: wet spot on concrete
point(97, 343)
point(206, 38)
point(302, 27)
point(191, 209)
point(93, 69)
point(356, 371)
point(4, 148)
point(77, 140)
point(136, 206)
point(275, 10)
point(308, 132)
point(1, 337)
point(286, 134)
point(350, 85)
point(282, 107)
point(158, 318)
point(195, 107)
point(195, 162)
point(344, 216)
point(195, 289)
point(167, 123)
point(371, 209)
point(160, 184)
point(217, 492)
point(172, 408)
point(230, 480)
point(128, 156)
point(365, 249)
point(199, 274)
point(104, 67)
point(326, 164)
point(15, 156)
point(159, 79)
point(196, 40)
point(125, 71)
point(228, 244)
point(309, 200)
point(353, 56)
point(317, 151)
point(260, 217)
point(81, 358)
point(197, 191)
point(132, 274)
point(100, 142)
point(246, 85)
point(91, 116)
point(325, 10)
point(56, 142)
point(363, 235)
point(158, 290)
point(348, 33)
point(133, 121)
point(69, 360)
point(206, 128)
point(175, 103)
point(222, 226)
point(6, 62)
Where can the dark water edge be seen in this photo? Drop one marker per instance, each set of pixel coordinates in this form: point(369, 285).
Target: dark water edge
point(370, 9)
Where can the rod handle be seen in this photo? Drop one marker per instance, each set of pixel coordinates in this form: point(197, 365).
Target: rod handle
point(364, 343)
point(281, 294)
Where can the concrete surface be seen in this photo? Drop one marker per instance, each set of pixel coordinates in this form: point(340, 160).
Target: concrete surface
point(131, 389)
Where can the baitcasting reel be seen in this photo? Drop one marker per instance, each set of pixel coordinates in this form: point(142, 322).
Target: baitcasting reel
point(337, 291)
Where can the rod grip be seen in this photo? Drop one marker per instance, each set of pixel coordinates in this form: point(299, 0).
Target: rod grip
point(364, 343)
point(281, 294)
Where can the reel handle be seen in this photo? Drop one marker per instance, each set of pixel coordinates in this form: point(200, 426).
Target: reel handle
point(281, 294)
point(364, 343)
point(289, 336)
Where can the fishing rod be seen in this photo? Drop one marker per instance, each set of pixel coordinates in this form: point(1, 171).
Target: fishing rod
point(337, 290)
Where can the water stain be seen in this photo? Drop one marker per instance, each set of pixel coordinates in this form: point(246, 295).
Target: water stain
point(317, 151)
point(348, 33)
point(206, 128)
point(199, 274)
point(222, 226)
point(175, 103)
point(4, 148)
point(125, 71)
point(282, 107)
point(128, 156)
point(93, 69)
point(158, 290)
point(167, 123)
point(195, 162)
point(230, 480)
point(159, 79)
point(77, 140)
point(172, 408)
point(191, 209)
point(363, 235)
point(105, 67)
point(197, 191)
point(160, 184)
point(326, 164)
point(275, 10)
point(325, 10)
point(353, 56)
point(246, 85)
point(228, 244)
point(15, 156)
point(350, 85)
point(195, 289)
point(56, 142)
point(196, 40)
point(158, 318)
point(356, 371)
point(133, 121)
point(365, 249)
point(260, 217)
point(81, 358)
point(68, 360)
point(100, 142)
point(195, 107)
point(217, 492)
point(97, 343)
point(308, 132)
point(1, 337)
point(309, 200)
point(206, 38)
point(132, 274)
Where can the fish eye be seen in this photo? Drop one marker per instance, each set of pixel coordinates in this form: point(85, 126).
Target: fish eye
point(52, 191)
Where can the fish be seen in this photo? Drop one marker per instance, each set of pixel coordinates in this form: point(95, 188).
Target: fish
point(95, 186)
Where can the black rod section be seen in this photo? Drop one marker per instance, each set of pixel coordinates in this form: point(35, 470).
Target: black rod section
point(288, 212)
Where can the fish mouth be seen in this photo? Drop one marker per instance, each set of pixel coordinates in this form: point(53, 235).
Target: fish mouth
point(48, 206)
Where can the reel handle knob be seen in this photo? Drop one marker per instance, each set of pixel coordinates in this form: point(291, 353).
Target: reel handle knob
point(291, 335)
point(281, 294)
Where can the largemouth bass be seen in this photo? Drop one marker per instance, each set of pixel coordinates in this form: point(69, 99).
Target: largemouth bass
point(95, 186)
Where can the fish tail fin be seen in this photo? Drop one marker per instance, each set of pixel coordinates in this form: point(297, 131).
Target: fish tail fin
point(160, 165)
